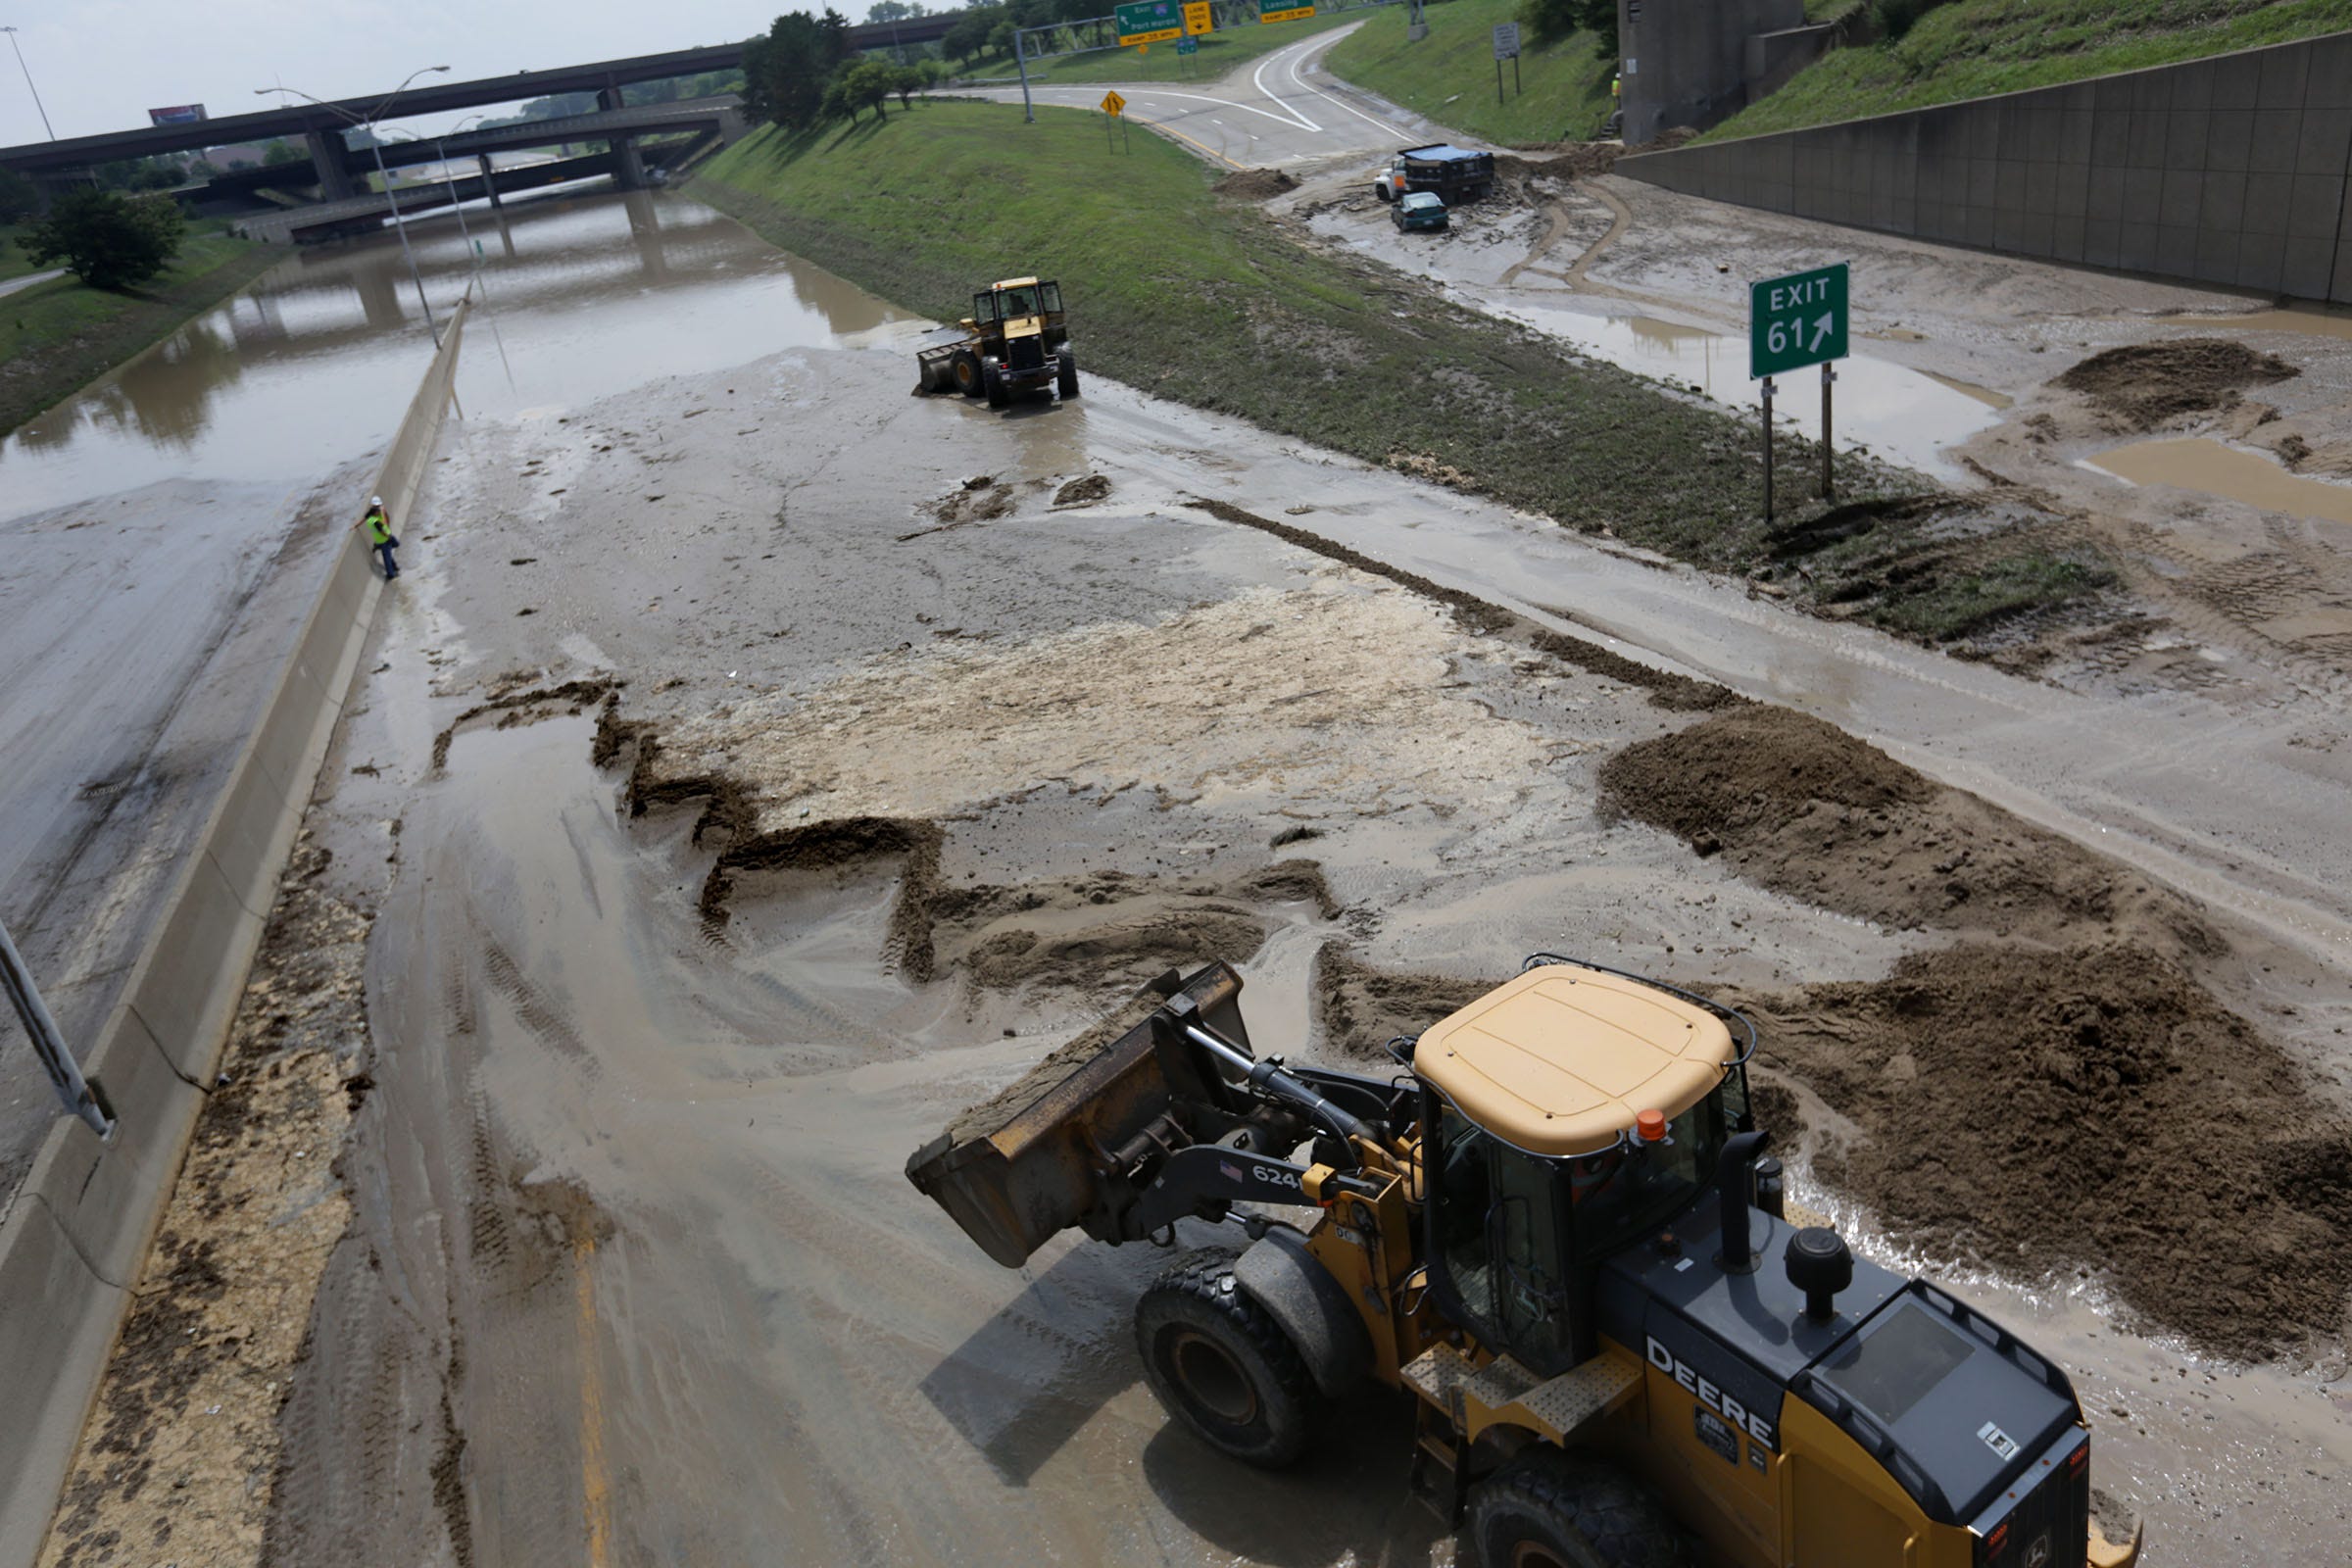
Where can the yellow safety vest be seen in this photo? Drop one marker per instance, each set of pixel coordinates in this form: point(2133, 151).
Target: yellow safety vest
point(379, 528)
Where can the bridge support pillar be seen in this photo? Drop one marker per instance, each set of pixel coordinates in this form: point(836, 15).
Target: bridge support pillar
point(489, 179)
point(628, 166)
point(327, 154)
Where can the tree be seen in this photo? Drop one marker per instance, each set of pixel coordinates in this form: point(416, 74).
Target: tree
point(1551, 21)
point(905, 81)
point(281, 151)
point(19, 197)
point(967, 38)
point(106, 239)
point(869, 81)
point(894, 10)
point(786, 73)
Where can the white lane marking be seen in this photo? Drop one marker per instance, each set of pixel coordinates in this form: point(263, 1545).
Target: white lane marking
point(1285, 118)
point(1257, 79)
point(1383, 125)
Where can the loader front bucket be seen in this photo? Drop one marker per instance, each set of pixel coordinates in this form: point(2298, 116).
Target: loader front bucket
point(1044, 1155)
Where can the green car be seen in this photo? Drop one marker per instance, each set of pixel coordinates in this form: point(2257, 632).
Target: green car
point(1421, 210)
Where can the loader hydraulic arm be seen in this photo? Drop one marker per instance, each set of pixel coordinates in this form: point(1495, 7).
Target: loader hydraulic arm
point(1182, 1016)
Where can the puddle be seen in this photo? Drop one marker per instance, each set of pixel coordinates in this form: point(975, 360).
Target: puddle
point(1969, 389)
point(1904, 416)
point(2312, 320)
point(2207, 465)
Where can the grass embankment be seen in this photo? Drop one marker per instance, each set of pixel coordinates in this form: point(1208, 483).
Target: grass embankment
point(1973, 48)
point(58, 337)
point(14, 263)
point(1449, 76)
point(1199, 299)
point(1220, 51)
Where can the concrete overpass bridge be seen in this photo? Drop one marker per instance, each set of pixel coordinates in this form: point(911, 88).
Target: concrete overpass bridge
point(700, 122)
point(75, 157)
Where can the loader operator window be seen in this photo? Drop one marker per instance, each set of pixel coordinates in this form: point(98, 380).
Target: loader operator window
point(1498, 1237)
point(984, 308)
point(1049, 295)
point(1620, 1193)
point(1019, 302)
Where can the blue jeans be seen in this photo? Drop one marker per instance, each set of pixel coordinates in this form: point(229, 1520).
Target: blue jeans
point(391, 569)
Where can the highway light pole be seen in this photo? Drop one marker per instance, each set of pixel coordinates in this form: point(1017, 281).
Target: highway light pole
point(441, 146)
point(368, 123)
point(35, 91)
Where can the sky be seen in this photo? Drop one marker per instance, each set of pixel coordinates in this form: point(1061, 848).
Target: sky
point(100, 65)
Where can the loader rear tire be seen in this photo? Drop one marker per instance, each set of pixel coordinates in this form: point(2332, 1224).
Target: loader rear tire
point(1551, 1509)
point(1223, 1366)
point(1069, 375)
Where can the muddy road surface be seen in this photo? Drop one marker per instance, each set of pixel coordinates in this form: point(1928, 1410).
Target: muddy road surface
point(634, 1275)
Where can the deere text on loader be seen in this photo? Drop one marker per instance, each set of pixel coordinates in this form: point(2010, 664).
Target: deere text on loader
point(1016, 340)
point(1556, 1230)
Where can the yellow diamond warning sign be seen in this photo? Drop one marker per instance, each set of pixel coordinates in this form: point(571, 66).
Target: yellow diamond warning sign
point(1112, 103)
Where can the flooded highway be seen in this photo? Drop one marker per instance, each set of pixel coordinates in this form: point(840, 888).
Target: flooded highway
point(166, 528)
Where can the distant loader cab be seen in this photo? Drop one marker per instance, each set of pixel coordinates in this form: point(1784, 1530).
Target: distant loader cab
point(1016, 340)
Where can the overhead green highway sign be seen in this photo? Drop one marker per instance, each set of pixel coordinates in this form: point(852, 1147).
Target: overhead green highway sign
point(1796, 321)
point(1150, 21)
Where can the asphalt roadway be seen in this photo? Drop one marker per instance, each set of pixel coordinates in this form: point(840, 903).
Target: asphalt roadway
point(1282, 108)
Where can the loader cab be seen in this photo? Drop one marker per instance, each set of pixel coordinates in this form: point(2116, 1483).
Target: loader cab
point(1567, 1114)
point(1019, 307)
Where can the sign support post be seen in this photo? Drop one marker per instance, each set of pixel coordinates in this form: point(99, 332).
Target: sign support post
point(1828, 378)
point(1768, 449)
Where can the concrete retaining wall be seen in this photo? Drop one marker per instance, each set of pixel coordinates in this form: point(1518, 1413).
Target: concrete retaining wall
point(79, 1234)
point(2230, 171)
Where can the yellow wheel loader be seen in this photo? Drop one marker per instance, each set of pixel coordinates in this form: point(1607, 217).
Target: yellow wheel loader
point(1016, 340)
point(1555, 1228)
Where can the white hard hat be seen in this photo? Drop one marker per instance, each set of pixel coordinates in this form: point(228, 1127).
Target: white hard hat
point(375, 501)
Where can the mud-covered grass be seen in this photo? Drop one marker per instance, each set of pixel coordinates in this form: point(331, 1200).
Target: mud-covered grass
point(59, 336)
point(1207, 302)
point(1563, 88)
point(1973, 48)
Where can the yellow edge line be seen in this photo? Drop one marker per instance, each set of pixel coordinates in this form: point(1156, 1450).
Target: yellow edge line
point(1170, 130)
point(595, 1488)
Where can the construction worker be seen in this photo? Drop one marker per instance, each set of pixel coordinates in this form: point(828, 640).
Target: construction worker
point(378, 525)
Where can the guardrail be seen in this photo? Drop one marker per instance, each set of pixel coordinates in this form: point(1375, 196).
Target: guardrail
point(77, 1236)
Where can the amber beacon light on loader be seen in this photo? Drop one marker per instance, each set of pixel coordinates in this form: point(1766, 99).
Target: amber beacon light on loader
point(1558, 1230)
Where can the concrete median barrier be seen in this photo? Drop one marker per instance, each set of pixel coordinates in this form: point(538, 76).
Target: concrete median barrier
point(72, 1244)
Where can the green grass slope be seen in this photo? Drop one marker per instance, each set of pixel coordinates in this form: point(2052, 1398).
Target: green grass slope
point(1973, 48)
point(1198, 298)
point(59, 336)
point(1449, 76)
point(1220, 52)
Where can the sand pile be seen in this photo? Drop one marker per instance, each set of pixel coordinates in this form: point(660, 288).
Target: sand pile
point(1802, 808)
point(2140, 387)
point(1255, 184)
point(2088, 1109)
point(1085, 932)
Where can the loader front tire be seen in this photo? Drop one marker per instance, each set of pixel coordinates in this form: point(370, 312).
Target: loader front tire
point(963, 372)
point(1223, 1366)
point(1550, 1509)
point(998, 396)
point(1069, 375)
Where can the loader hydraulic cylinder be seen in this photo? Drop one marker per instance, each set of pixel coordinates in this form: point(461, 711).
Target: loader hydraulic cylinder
point(1267, 1077)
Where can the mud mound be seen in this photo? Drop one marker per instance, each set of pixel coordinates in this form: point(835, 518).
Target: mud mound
point(1160, 936)
point(1802, 808)
point(515, 708)
point(1568, 160)
point(1255, 184)
point(1675, 692)
point(977, 500)
point(1358, 1008)
point(841, 842)
point(2142, 386)
point(1079, 932)
point(1083, 492)
point(2089, 1109)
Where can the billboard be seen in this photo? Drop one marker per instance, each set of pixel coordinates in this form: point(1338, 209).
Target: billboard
point(177, 115)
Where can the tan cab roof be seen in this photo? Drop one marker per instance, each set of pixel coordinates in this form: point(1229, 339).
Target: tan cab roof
point(1561, 1061)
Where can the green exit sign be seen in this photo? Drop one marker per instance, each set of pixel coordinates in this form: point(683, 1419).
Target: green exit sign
point(1796, 321)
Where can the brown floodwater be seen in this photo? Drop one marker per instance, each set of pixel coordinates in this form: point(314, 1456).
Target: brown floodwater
point(584, 294)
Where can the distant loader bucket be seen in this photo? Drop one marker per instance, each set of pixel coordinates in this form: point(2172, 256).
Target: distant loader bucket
point(1060, 1148)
